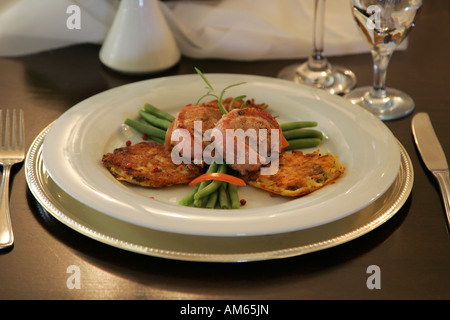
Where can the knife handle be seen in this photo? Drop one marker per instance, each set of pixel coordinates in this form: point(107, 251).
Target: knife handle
point(444, 182)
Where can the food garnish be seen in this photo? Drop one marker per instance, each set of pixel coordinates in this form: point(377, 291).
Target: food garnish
point(212, 93)
point(218, 176)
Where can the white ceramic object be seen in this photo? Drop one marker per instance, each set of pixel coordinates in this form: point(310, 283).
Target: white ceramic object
point(74, 146)
point(139, 41)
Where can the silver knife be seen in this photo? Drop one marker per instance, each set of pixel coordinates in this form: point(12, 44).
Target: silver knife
point(433, 155)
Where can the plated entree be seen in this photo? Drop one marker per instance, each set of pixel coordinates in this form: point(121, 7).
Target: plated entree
point(219, 146)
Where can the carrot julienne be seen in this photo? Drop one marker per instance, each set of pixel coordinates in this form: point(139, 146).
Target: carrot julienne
point(218, 176)
point(284, 142)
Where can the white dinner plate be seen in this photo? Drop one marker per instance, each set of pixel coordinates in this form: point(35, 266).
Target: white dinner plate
point(76, 142)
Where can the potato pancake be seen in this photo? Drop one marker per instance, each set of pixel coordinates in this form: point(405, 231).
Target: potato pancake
point(298, 174)
point(148, 164)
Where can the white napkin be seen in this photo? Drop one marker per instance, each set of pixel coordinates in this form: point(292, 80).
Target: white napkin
point(260, 29)
point(228, 29)
point(30, 26)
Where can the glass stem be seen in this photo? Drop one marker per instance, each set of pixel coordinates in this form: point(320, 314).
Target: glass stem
point(380, 65)
point(317, 61)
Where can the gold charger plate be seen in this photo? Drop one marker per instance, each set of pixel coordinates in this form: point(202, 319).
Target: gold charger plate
point(130, 237)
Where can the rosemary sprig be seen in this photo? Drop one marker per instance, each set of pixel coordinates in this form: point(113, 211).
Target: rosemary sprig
point(212, 93)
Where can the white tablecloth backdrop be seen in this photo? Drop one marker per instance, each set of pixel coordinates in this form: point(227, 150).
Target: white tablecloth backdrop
point(229, 29)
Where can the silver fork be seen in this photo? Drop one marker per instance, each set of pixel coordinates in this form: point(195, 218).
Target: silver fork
point(12, 151)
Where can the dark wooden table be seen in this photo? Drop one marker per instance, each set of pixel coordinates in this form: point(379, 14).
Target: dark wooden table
point(412, 249)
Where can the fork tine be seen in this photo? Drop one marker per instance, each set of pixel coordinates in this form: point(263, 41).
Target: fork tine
point(12, 129)
point(17, 142)
point(3, 132)
point(7, 129)
point(21, 130)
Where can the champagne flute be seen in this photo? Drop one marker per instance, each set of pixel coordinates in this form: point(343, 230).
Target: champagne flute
point(384, 25)
point(317, 71)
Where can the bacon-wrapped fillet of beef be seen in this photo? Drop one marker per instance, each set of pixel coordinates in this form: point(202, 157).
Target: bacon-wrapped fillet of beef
point(207, 114)
point(240, 128)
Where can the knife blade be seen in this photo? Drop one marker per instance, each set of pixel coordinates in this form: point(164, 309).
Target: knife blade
point(432, 155)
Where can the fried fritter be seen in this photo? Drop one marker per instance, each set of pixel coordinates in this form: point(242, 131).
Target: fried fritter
point(148, 164)
point(298, 174)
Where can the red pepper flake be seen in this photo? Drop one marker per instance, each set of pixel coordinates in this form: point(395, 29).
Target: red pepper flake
point(189, 166)
point(273, 194)
point(128, 143)
point(129, 165)
point(243, 202)
point(156, 169)
point(144, 136)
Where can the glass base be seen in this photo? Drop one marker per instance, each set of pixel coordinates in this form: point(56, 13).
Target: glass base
point(397, 104)
point(334, 79)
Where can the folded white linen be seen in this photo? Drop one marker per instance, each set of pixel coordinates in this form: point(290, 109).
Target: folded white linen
point(227, 29)
point(30, 26)
point(260, 29)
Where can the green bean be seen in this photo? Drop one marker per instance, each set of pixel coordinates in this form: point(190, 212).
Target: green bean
point(156, 139)
point(146, 128)
point(158, 113)
point(155, 121)
point(159, 140)
point(223, 196)
point(302, 143)
point(213, 186)
point(198, 202)
point(212, 168)
point(234, 196)
point(297, 125)
point(189, 198)
point(302, 133)
point(212, 200)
